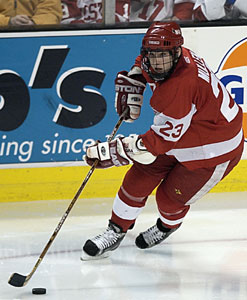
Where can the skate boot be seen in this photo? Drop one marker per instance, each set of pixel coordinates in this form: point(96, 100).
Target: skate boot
point(99, 246)
point(154, 235)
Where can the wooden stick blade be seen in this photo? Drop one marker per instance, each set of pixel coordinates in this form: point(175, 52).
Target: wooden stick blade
point(17, 280)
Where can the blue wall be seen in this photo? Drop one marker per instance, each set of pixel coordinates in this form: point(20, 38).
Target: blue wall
point(57, 94)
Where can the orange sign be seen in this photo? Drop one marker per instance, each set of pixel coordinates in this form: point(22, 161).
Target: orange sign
point(232, 72)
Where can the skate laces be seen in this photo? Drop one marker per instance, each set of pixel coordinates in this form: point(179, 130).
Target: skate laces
point(107, 238)
point(153, 235)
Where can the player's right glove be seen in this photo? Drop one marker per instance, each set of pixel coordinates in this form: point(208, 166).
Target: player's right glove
point(119, 152)
point(129, 93)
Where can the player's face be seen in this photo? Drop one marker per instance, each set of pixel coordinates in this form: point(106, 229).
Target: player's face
point(161, 61)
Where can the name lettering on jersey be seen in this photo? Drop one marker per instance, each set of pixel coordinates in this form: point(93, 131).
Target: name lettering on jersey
point(202, 70)
point(128, 89)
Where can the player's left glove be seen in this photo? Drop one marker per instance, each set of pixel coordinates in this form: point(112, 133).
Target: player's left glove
point(129, 93)
point(119, 152)
point(108, 154)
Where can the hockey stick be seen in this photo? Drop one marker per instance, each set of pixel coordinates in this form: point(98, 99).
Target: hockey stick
point(19, 280)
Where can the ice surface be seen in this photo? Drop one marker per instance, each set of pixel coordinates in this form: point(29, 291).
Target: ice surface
point(206, 259)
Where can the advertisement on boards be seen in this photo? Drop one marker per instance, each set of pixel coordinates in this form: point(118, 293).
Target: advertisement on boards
point(57, 91)
point(232, 72)
point(57, 95)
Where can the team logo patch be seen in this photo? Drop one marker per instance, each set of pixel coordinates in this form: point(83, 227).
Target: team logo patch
point(176, 31)
point(178, 192)
point(103, 151)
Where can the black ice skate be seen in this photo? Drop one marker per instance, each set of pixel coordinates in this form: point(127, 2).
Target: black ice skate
point(153, 235)
point(99, 246)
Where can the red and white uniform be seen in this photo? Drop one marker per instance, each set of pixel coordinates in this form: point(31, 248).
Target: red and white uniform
point(197, 137)
point(122, 13)
point(71, 11)
point(90, 11)
point(196, 120)
point(157, 10)
point(213, 10)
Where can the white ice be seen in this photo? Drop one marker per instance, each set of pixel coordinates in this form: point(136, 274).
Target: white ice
point(206, 259)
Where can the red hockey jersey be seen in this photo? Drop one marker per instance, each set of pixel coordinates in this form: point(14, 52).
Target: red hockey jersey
point(81, 11)
point(195, 118)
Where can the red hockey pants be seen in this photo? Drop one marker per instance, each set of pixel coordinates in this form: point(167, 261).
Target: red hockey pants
point(178, 187)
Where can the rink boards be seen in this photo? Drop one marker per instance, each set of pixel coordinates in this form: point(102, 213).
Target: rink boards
point(30, 184)
point(62, 92)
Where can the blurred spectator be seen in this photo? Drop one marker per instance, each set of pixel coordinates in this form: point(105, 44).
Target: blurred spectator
point(208, 10)
point(159, 10)
point(183, 9)
point(33, 12)
point(82, 11)
point(122, 10)
point(145, 10)
point(91, 11)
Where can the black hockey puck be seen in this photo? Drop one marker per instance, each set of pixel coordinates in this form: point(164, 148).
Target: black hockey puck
point(39, 291)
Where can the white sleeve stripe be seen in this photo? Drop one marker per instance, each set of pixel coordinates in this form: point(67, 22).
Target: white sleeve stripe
point(207, 151)
point(124, 211)
point(171, 129)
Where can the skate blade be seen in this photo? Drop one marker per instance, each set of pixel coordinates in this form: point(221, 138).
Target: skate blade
point(86, 257)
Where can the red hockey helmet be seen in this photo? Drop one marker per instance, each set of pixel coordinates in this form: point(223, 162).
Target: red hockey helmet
point(161, 36)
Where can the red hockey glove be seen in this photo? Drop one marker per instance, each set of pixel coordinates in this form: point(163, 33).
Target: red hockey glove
point(129, 93)
point(108, 154)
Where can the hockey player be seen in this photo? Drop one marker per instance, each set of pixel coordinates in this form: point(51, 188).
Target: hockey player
point(208, 10)
point(195, 140)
